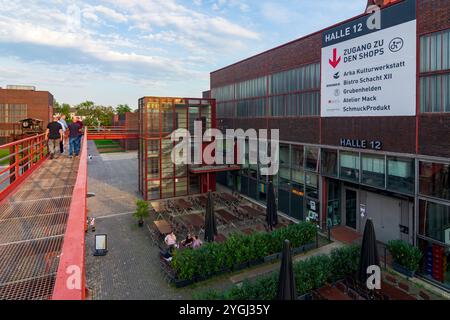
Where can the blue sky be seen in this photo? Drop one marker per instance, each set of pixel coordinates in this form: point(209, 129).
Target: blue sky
point(116, 51)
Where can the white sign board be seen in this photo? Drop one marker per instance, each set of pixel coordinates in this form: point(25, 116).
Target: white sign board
point(372, 73)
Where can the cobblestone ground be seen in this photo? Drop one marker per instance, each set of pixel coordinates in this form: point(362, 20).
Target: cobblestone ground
point(130, 270)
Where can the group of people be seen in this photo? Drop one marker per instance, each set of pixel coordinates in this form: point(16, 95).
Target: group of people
point(191, 241)
point(59, 134)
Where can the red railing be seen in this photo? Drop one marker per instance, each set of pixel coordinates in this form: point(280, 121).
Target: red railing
point(112, 133)
point(71, 276)
point(18, 160)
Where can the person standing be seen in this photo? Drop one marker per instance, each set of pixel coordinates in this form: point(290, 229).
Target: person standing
point(80, 137)
point(63, 123)
point(74, 134)
point(53, 136)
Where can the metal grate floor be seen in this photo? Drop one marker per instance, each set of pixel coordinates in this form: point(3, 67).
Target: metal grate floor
point(32, 225)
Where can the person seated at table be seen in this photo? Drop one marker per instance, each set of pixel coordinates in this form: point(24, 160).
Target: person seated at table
point(197, 242)
point(171, 240)
point(167, 255)
point(188, 241)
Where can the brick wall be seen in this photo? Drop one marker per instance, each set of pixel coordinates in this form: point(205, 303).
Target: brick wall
point(398, 134)
point(40, 103)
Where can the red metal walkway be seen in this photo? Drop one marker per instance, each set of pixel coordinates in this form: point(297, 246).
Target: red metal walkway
point(42, 223)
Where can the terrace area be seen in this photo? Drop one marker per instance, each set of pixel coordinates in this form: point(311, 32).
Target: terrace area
point(234, 214)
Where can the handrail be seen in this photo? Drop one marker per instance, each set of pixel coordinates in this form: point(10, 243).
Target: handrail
point(23, 157)
point(70, 278)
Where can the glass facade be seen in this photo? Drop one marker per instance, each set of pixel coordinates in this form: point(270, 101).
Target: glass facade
point(294, 92)
point(159, 177)
point(434, 180)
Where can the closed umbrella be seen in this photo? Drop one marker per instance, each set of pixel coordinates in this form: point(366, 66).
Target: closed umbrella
point(286, 280)
point(369, 252)
point(210, 220)
point(271, 208)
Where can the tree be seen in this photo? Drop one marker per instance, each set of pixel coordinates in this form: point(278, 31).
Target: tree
point(123, 108)
point(95, 115)
point(63, 109)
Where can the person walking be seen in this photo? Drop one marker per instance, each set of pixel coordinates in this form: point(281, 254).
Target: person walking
point(63, 123)
point(53, 136)
point(74, 134)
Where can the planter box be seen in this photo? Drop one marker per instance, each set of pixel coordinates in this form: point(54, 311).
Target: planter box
point(271, 258)
point(183, 283)
point(255, 262)
point(305, 297)
point(238, 267)
point(309, 246)
point(399, 268)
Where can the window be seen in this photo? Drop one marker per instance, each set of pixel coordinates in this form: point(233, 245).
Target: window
point(434, 221)
point(435, 93)
point(435, 57)
point(329, 162)
point(435, 51)
point(312, 158)
point(434, 180)
point(297, 156)
point(12, 113)
point(312, 185)
point(400, 175)
point(373, 170)
point(349, 168)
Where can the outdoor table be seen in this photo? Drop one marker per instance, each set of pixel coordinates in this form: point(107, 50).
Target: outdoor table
point(394, 293)
point(251, 212)
point(260, 227)
point(159, 207)
point(194, 220)
point(248, 231)
point(332, 293)
point(220, 238)
point(183, 204)
point(229, 197)
point(203, 200)
point(226, 216)
point(163, 226)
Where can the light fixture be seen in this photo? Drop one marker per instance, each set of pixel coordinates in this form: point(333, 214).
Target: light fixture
point(101, 245)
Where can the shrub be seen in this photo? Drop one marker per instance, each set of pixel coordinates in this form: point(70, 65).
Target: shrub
point(344, 261)
point(310, 274)
point(405, 254)
point(238, 249)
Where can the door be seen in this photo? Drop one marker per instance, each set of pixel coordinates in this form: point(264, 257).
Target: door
point(351, 204)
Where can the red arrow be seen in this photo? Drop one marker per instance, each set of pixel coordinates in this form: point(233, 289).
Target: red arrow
point(334, 63)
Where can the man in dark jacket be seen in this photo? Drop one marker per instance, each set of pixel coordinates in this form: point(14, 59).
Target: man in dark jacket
point(54, 135)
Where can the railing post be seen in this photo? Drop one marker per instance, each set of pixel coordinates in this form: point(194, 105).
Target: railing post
point(16, 162)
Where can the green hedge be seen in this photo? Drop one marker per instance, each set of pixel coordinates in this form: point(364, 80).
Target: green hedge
point(310, 274)
point(405, 254)
point(212, 258)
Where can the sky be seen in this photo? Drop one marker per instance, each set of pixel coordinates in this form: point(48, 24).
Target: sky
point(116, 51)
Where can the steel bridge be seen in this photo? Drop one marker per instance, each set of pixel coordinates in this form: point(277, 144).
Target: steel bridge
point(43, 218)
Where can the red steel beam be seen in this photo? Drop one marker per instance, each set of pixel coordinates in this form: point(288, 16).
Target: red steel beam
point(70, 278)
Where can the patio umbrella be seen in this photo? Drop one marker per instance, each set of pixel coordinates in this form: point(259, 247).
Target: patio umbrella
point(369, 252)
point(286, 280)
point(210, 220)
point(271, 208)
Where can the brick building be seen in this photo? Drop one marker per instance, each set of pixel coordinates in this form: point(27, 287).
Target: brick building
point(340, 165)
point(18, 103)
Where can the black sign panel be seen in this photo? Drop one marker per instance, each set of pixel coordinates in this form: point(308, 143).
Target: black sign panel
point(394, 15)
